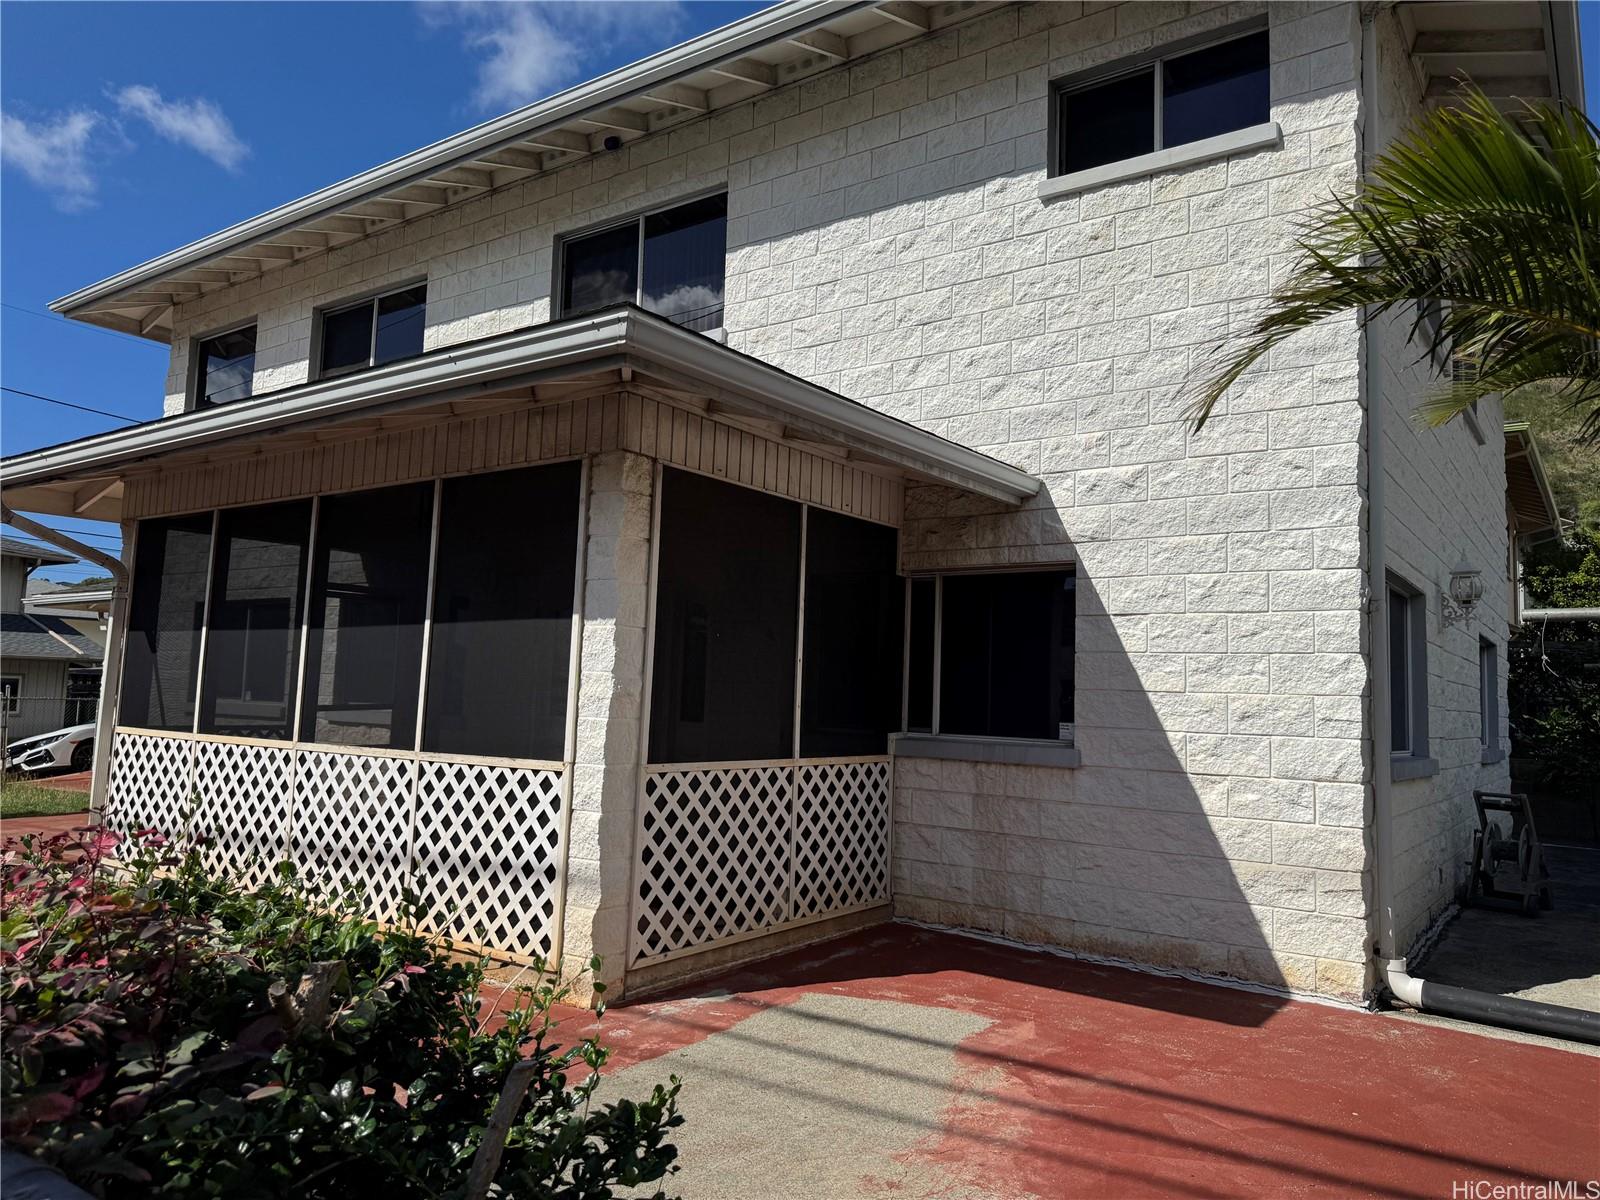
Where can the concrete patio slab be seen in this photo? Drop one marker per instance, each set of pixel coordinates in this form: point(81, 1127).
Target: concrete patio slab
point(906, 1062)
point(1550, 956)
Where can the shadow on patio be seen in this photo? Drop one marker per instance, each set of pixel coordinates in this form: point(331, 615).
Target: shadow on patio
point(918, 1063)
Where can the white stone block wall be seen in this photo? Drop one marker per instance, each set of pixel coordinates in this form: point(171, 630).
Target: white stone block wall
point(886, 239)
point(1445, 505)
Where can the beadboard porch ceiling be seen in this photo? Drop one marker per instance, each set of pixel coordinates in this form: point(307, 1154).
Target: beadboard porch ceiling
point(623, 349)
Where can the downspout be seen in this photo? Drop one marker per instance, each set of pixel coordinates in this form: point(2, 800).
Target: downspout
point(1465, 1003)
point(111, 663)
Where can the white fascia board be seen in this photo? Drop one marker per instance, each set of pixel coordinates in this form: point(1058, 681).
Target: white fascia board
point(769, 25)
point(623, 336)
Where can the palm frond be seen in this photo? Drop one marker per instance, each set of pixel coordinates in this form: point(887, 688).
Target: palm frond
point(1496, 219)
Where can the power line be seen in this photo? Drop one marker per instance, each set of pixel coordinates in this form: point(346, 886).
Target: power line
point(100, 412)
point(55, 320)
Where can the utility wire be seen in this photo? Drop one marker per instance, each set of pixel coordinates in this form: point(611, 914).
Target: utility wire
point(55, 320)
point(100, 412)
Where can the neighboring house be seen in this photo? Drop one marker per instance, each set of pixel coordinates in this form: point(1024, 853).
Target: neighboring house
point(746, 496)
point(48, 669)
point(85, 609)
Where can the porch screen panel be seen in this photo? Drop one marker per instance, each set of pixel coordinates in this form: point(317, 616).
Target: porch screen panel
point(368, 598)
point(502, 614)
point(165, 614)
point(253, 641)
point(854, 640)
point(727, 609)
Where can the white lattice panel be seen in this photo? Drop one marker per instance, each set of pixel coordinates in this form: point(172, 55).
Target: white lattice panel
point(242, 794)
point(713, 856)
point(841, 839)
point(352, 826)
point(149, 785)
point(488, 854)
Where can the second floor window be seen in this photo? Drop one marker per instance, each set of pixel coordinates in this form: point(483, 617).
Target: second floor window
point(1163, 101)
point(670, 261)
point(380, 329)
point(226, 366)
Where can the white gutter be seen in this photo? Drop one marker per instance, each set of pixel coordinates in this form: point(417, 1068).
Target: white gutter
point(769, 25)
point(618, 337)
point(1560, 614)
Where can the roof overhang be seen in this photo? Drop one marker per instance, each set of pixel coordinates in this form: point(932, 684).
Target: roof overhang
point(741, 61)
point(1527, 487)
point(618, 348)
point(1514, 50)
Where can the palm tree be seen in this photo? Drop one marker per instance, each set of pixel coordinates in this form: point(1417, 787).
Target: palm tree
point(1490, 221)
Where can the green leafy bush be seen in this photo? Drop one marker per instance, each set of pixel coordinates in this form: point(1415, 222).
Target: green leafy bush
point(166, 1034)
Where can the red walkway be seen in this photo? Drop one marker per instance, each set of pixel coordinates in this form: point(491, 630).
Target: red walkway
point(1093, 1081)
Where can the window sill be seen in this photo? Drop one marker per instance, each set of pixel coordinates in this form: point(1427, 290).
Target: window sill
point(1238, 141)
point(978, 749)
point(1409, 766)
point(1491, 755)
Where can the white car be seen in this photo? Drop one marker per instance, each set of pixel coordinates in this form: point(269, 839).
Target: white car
point(70, 749)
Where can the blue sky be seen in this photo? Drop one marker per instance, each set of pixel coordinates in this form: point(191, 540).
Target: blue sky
point(133, 128)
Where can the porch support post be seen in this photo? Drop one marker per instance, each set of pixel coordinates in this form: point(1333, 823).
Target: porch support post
point(605, 771)
point(111, 678)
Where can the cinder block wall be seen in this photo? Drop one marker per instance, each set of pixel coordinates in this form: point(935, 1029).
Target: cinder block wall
point(1445, 505)
point(886, 239)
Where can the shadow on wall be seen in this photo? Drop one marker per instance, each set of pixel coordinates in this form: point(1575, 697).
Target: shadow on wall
point(1159, 848)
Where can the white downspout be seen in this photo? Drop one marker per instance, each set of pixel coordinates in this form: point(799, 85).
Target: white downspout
point(111, 663)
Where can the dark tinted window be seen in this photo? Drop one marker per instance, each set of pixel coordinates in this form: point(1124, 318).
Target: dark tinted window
point(1109, 121)
point(226, 367)
point(368, 596)
point(165, 614)
point(685, 252)
point(502, 614)
point(1400, 700)
point(919, 668)
point(400, 321)
point(347, 339)
point(727, 598)
point(601, 270)
point(253, 640)
point(1215, 90)
point(854, 640)
point(1005, 665)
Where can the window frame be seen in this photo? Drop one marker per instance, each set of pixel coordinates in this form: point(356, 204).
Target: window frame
point(10, 691)
point(636, 219)
point(1490, 749)
point(1153, 59)
point(325, 311)
point(195, 379)
point(934, 742)
point(300, 676)
point(1413, 761)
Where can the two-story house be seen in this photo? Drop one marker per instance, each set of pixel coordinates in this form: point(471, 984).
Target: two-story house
point(748, 495)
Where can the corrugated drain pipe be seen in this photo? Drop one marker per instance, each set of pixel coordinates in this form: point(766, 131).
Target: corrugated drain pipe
point(111, 664)
point(1531, 1016)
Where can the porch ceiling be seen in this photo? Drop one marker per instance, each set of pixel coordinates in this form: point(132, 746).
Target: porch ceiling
point(624, 349)
point(1515, 50)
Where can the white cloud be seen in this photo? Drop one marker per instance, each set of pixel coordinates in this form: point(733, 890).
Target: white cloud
point(531, 50)
point(54, 153)
point(198, 123)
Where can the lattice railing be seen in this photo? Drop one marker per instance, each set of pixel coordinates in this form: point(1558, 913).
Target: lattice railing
point(479, 842)
point(728, 852)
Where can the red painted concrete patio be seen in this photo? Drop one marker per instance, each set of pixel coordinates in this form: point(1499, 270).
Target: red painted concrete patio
point(905, 1062)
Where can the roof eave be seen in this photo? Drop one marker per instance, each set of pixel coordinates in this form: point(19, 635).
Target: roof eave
point(781, 20)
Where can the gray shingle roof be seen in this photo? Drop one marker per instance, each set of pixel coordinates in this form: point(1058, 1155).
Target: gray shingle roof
point(24, 636)
point(17, 548)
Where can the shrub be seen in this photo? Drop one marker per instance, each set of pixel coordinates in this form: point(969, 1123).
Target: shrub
point(166, 1033)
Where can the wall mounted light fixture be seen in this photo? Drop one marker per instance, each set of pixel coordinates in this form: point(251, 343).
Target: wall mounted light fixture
point(1459, 600)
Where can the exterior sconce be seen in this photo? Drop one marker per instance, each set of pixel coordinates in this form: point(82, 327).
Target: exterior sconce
point(1460, 598)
